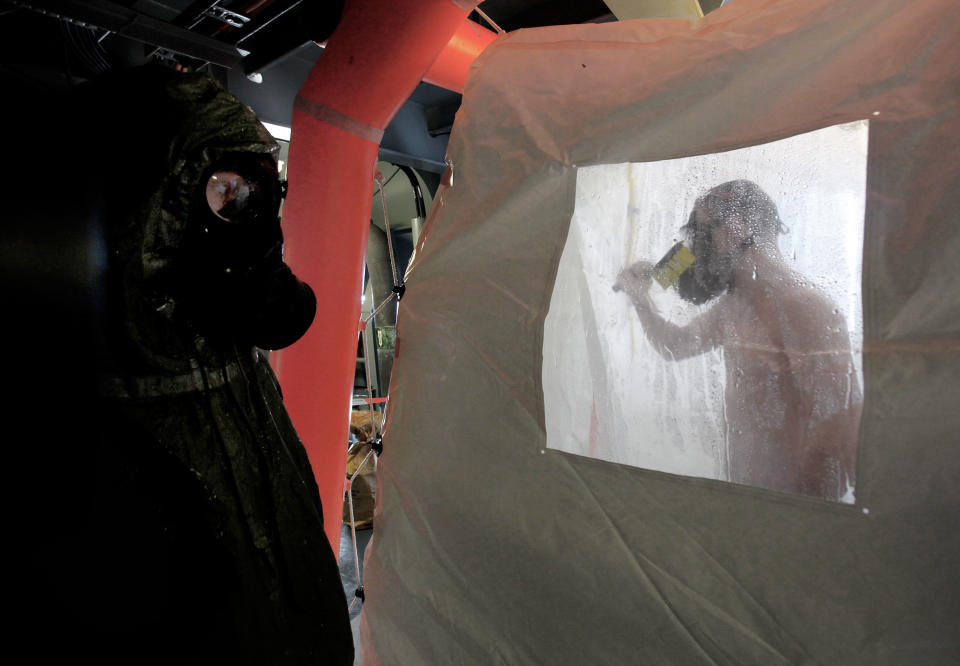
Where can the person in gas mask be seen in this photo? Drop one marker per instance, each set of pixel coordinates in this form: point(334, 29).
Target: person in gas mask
point(205, 540)
point(793, 399)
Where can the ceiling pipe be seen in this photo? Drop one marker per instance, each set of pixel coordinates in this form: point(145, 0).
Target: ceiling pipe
point(372, 63)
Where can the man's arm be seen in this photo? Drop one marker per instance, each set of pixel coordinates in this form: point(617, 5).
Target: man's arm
point(671, 341)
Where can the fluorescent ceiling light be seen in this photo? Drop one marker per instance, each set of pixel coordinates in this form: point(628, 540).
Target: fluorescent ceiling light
point(278, 131)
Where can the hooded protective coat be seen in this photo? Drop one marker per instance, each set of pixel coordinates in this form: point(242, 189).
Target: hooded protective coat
point(207, 530)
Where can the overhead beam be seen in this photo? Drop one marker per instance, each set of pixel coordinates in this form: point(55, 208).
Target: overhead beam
point(135, 25)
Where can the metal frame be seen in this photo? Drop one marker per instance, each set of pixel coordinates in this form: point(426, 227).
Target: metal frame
point(121, 20)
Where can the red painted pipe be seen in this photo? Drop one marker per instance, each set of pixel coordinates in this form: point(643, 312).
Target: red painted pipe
point(374, 60)
point(450, 68)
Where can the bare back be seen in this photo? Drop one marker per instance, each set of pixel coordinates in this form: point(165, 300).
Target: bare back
point(792, 393)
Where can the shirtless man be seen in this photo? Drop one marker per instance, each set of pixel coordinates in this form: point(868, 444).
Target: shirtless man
point(793, 399)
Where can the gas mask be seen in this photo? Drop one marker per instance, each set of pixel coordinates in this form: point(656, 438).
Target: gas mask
point(707, 271)
point(235, 284)
point(697, 273)
point(707, 275)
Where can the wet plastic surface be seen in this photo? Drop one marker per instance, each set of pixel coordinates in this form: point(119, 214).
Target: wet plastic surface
point(758, 383)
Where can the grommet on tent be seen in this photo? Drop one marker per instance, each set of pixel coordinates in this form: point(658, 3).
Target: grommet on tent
point(399, 291)
point(377, 446)
point(359, 594)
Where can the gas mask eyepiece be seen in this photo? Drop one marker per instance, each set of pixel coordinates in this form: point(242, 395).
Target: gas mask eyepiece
point(230, 195)
point(243, 189)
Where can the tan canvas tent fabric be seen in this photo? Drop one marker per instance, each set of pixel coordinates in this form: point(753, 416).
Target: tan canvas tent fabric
point(490, 547)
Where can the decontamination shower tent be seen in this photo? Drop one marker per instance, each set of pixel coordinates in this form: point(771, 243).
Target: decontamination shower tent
point(493, 545)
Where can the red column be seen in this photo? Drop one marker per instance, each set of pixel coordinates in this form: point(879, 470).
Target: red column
point(371, 64)
point(449, 70)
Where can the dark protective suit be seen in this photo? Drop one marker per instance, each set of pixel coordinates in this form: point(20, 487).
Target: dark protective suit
point(206, 541)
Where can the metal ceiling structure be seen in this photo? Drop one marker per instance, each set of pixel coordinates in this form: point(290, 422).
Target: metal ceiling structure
point(262, 50)
point(228, 33)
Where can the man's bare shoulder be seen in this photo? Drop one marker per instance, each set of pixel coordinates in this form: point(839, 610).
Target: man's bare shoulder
point(806, 298)
point(813, 320)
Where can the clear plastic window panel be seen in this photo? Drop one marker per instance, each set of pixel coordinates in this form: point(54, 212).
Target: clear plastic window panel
point(706, 317)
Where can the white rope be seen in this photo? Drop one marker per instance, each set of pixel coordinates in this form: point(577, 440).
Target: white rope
point(490, 21)
point(372, 407)
point(363, 463)
point(353, 522)
point(366, 367)
point(365, 320)
point(386, 224)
